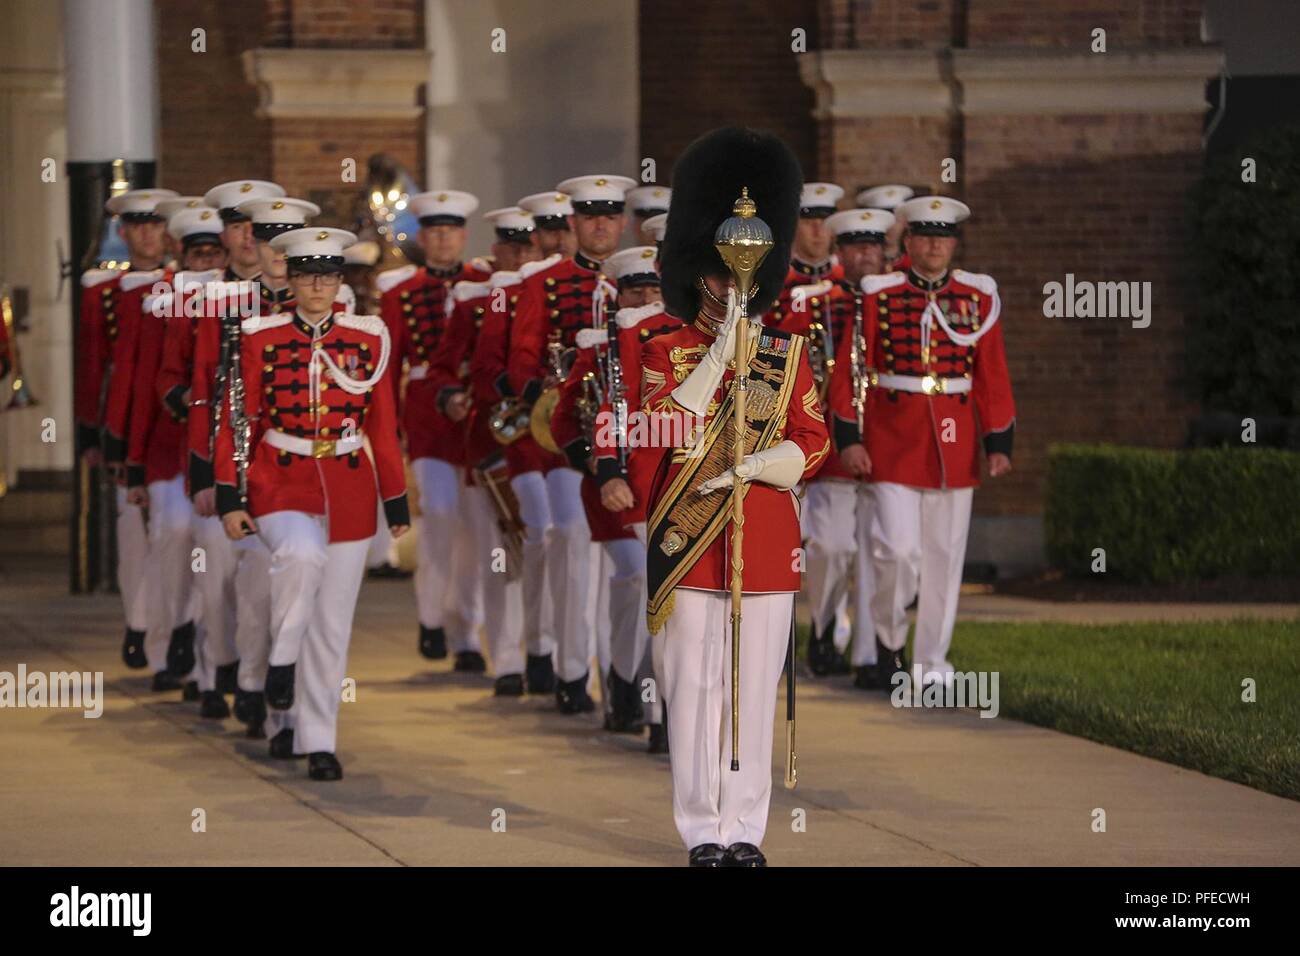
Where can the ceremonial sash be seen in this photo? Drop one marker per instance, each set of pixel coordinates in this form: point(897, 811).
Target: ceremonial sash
point(684, 523)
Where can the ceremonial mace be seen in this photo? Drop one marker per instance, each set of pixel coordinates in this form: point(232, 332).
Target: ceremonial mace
point(743, 241)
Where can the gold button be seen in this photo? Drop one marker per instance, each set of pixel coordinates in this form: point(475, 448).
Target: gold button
point(322, 409)
point(550, 282)
point(268, 368)
point(324, 430)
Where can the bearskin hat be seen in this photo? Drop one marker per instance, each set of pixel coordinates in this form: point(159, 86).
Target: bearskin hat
point(707, 181)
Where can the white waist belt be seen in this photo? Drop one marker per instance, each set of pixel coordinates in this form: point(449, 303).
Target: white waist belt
point(925, 384)
point(312, 447)
point(417, 372)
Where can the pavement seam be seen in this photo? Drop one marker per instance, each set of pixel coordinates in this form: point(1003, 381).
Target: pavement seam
point(211, 742)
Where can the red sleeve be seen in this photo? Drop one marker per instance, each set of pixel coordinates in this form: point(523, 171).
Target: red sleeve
point(992, 393)
point(390, 310)
point(121, 381)
point(206, 347)
point(144, 397)
point(449, 355)
point(92, 347)
point(177, 363)
point(487, 365)
point(381, 427)
point(524, 366)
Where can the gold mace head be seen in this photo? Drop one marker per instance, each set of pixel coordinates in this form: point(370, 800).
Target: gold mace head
point(743, 240)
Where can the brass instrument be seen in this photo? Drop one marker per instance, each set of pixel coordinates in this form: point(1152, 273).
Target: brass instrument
point(858, 358)
point(539, 416)
point(821, 356)
point(21, 396)
point(493, 475)
point(509, 420)
point(743, 241)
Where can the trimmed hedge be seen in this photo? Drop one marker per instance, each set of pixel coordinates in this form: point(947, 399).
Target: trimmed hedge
point(1165, 516)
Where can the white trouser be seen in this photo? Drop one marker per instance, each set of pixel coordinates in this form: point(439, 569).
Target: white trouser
point(828, 526)
point(132, 552)
point(864, 582)
point(627, 622)
point(314, 588)
point(599, 569)
point(568, 570)
point(168, 566)
point(444, 554)
point(654, 707)
point(502, 608)
point(215, 586)
point(918, 536)
point(253, 611)
point(711, 803)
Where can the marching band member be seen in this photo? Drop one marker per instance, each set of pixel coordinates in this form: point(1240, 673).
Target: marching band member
point(837, 507)
point(415, 310)
point(644, 203)
point(939, 388)
point(98, 327)
point(888, 198)
point(309, 486)
point(721, 809)
point(812, 259)
point(551, 214)
point(554, 305)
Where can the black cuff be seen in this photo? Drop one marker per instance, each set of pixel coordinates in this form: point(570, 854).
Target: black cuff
point(200, 474)
point(135, 476)
point(444, 395)
point(532, 390)
point(999, 443)
point(577, 452)
point(607, 469)
point(397, 511)
point(180, 411)
point(228, 499)
point(844, 433)
point(87, 436)
point(114, 448)
point(502, 385)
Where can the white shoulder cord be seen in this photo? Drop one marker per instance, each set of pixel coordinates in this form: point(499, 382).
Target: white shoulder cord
point(933, 313)
point(603, 289)
point(352, 386)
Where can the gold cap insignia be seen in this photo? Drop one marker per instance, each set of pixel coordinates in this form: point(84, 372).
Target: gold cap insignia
point(204, 216)
point(442, 197)
point(246, 187)
point(322, 234)
point(601, 181)
point(866, 216)
point(560, 197)
point(819, 190)
point(936, 204)
point(648, 254)
point(277, 205)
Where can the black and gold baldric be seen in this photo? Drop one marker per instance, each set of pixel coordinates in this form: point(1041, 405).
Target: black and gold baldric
point(684, 523)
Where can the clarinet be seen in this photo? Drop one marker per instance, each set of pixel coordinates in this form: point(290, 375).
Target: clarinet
point(616, 392)
point(858, 361)
point(218, 389)
point(239, 425)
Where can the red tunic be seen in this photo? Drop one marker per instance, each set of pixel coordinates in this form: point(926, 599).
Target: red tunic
point(156, 443)
point(132, 289)
point(929, 440)
point(97, 325)
point(416, 314)
point(278, 353)
point(789, 313)
point(449, 368)
point(635, 328)
point(772, 536)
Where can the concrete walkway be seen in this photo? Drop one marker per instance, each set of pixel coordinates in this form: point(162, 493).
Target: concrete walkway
point(431, 757)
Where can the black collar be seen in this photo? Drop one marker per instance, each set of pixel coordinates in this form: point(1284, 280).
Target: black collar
point(277, 296)
point(307, 329)
point(811, 271)
point(445, 273)
point(591, 265)
point(925, 285)
point(232, 276)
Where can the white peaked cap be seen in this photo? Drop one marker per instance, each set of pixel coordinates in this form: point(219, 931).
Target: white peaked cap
point(140, 201)
point(231, 194)
point(649, 198)
point(193, 221)
point(450, 204)
point(362, 254)
point(313, 241)
point(278, 210)
point(819, 196)
point(656, 226)
point(634, 261)
point(890, 196)
point(848, 222)
point(511, 217)
point(596, 188)
point(170, 207)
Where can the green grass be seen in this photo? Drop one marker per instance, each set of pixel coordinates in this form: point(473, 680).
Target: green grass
point(1172, 691)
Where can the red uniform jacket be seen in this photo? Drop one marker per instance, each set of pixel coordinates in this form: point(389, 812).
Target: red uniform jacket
point(772, 536)
point(914, 438)
point(449, 367)
point(789, 313)
point(635, 328)
point(97, 326)
point(132, 289)
point(489, 377)
point(157, 440)
point(278, 354)
point(416, 314)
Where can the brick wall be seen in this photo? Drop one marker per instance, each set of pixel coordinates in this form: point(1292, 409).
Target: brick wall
point(1055, 23)
point(208, 132)
point(336, 24)
point(895, 24)
point(713, 64)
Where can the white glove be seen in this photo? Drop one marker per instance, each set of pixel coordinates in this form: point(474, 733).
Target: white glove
point(696, 391)
point(780, 466)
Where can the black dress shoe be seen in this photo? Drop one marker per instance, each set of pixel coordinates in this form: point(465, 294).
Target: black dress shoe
point(323, 765)
point(658, 739)
point(571, 696)
point(190, 692)
point(821, 651)
point(165, 681)
point(387, 570)
point(250, 707)
point(866, 677)
point(744, 854)
point(708, 854)
point(281, 746)
point(279, 686)
point(133, 650)
point(625, 715)
point(469, 662)
point(508, 685)
point(213, 706)
point(889, 663)
point(227, 678)
point(839, 663)
point(433, 643)
point(540, 674)
point(180, 650)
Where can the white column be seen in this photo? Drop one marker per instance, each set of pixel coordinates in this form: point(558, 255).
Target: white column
point(112, 80)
